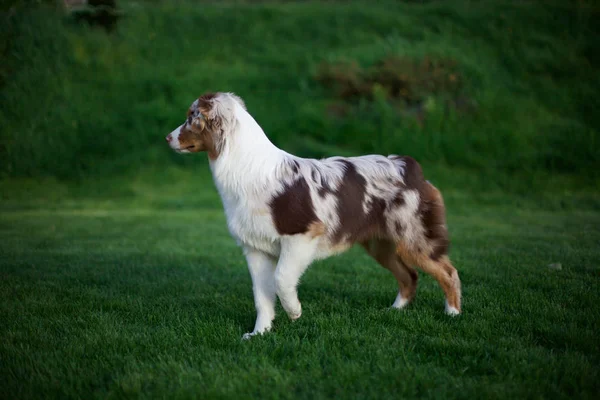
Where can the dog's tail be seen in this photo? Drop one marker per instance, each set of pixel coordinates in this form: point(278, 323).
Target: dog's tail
point(434, 220)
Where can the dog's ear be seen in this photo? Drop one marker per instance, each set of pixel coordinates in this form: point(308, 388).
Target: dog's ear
point(199, 121)
point(216, 113)
point(206, 109)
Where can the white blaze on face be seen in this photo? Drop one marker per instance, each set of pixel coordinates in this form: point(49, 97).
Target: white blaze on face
point(174, 143)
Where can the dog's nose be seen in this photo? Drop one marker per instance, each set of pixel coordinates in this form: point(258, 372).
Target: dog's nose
point(169, 137)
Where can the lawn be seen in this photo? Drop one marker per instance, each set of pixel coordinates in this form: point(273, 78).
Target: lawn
point(144, 293)
point(118, 278)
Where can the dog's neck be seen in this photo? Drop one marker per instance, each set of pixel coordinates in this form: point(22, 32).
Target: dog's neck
point(248, 161)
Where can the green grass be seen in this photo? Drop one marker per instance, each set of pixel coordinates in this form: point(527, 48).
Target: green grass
point(118, 278)
point(140, 292)
point(76, 102)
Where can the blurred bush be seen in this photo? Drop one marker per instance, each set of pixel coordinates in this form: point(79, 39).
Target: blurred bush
point(402, 78)
point(500, 87)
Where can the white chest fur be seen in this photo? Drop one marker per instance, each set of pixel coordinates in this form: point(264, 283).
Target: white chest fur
point(244, 176)
point(250, 222)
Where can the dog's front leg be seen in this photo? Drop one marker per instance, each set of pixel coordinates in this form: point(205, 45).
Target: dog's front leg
point(262, 269)
point(297, 252)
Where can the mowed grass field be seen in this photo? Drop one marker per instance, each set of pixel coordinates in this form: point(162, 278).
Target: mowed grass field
point(148, 296)
point(118, 278)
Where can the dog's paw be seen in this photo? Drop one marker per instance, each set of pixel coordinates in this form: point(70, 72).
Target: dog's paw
point(295, 314)
point(452, 311)
point(400, 302)
point(250, 335)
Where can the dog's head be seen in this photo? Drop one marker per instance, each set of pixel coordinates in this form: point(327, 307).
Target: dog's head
point(210, 119)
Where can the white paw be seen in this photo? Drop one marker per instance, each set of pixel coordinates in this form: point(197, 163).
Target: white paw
point(296, 314)
point(249, 335)
point(256, 332)
point(451, 310)
point(400, 302)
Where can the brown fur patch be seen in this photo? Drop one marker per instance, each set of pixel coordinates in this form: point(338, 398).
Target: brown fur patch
point(413, 174)
point(434, 219)
point(398, 199)
point(355, 225)
point(431, 208)
point(316, 229)
point(441, 270)
point(293, 210)
point(384, 252)
point(202, 133)
point(195, 140)
point(205, 103)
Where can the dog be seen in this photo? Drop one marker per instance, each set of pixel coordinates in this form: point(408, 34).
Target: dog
point(286, 212)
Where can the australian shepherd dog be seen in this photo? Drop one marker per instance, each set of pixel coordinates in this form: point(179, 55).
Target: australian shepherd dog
point(286, 212)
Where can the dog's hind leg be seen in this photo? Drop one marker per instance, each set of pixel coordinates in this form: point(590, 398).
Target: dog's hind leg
point(442, 270)
point(262, 269)
point(429, 251)
point(297, 252)
point(384, 252)
point(451, 282)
